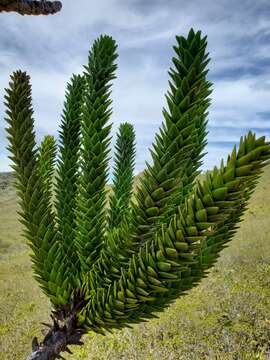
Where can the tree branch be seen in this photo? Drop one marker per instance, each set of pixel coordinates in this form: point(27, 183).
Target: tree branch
point(55, 342)
point(30, 7)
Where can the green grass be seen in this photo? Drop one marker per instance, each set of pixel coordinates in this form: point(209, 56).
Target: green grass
point(227, 316)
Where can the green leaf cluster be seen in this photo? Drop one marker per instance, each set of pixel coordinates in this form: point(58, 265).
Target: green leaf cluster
point(136, 257)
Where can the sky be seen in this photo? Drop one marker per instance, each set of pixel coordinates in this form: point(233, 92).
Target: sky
point(52, 48)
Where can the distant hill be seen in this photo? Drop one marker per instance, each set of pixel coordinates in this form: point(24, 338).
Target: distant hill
point(6, 179)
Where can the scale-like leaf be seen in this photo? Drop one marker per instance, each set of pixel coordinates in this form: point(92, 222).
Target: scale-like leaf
point(179, 254)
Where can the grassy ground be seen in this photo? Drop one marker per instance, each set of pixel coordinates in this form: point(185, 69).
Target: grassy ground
point(226, 317)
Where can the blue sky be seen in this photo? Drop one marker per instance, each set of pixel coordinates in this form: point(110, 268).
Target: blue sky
point(52, 48)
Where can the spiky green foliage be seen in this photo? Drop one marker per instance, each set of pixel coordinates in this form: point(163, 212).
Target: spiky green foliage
point(161, 245)
point(36, 213)
point(90, 211)
point(178, 147)
point(68, 169)
point(180, 253)
point(176, 159)
point(124, 162)
point(46, 160)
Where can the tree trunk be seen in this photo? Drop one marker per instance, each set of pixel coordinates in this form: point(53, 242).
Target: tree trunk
point(57, 340)
point(64, 331)
point(31, 7)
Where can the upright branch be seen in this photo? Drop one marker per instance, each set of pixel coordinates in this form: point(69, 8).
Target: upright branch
point(178, 147)
point(31, 182)
point(30, 7)
point(119, 210)
point(90, 210)
point(176, 158)
point(124, 161)
point(68, 172)
point(46, 160)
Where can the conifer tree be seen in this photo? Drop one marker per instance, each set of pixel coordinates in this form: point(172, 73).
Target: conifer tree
point(107, 269)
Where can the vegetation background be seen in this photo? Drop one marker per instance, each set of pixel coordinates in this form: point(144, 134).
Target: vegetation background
point(227, 316)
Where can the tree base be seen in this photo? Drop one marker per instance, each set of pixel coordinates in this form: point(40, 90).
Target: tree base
point(56, 342)
point(64, 331)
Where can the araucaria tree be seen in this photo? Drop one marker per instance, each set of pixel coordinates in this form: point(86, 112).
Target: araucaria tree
point(106, 268)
